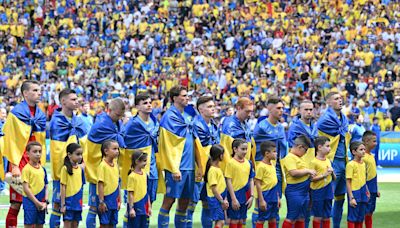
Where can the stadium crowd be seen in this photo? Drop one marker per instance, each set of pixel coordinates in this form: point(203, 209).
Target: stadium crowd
point(295, 49)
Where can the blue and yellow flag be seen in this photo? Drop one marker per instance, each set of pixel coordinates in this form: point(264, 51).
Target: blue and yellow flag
point(333, 127)
point(206, 135)
point(264, 131)
point(140, 136)
point(232, 129)
point(174, 131)
point(297, 128)
point(103, 129)
point(19, 127)
point(64, 131)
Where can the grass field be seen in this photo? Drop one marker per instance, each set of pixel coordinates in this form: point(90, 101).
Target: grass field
point(386, 215)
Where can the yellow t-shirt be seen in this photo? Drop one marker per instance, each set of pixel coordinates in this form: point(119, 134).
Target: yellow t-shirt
point(239, 172)
point(370, 165)
point(215, 178)
point(320, 167)
point(35, 177)
point(267, 175)
point(137, 183)
point(73, 182)
point(357, 173)
point(293, 162)
point(109, 175)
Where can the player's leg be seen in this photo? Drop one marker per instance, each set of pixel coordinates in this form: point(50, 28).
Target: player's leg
point(192, 204)
point(173, 190)
point(186, 195)
point(55, 216)
point(339, 186)
point(370, 210)
point(12, 216)
point(91, 216)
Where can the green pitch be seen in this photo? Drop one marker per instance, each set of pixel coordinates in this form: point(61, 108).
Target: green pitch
point(386, 215)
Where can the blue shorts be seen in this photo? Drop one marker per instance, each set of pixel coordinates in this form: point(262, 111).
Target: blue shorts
point(371, 203)
point(56, 198)
point(217, 214)
point(109, 217)
point(356, 214)
point(93, 198)
point(180, 189)
point(339, 185)
point(322, 208)
point(296, 207)
point(73, 216)
point(32, 217)
point(152, 185)
point(239, 214)
point(140, 221)
point(271, 212)
point(198, 187)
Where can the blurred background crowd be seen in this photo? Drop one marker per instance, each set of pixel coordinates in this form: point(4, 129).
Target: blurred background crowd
point(299, 49)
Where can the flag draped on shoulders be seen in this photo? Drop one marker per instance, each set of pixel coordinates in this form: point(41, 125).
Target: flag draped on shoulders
point(172, 139)
point(19, 127)
point(297, 128)
point(139, 136)
point(64, 131)
point(232, 129)
point(333, 127)
point(103, 129)
point(276, 133)
point(206, 135)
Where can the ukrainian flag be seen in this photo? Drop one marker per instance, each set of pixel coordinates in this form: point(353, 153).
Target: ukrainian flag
point(206, 135)
point(103, 129)
point(389, 137)
point(332, 127)
point(139, 137)
point(232, 129)
point(64, 131)
point(19, 127)
point(297, 128)
point(172, 139)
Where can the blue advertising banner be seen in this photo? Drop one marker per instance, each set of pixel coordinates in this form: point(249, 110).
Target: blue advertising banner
point(389, 149)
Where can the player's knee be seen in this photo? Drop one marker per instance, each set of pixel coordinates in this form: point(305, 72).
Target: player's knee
point(167, 203)
point(183, 204)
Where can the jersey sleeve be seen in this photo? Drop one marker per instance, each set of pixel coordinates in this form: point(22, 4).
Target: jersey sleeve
point(290, 163)
point(25, 175)
point(131, 183)
point(229, 172)
point(63, 176)
point(260, 172)
point(212, 178)
point(349, 171)
point(100, 173)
